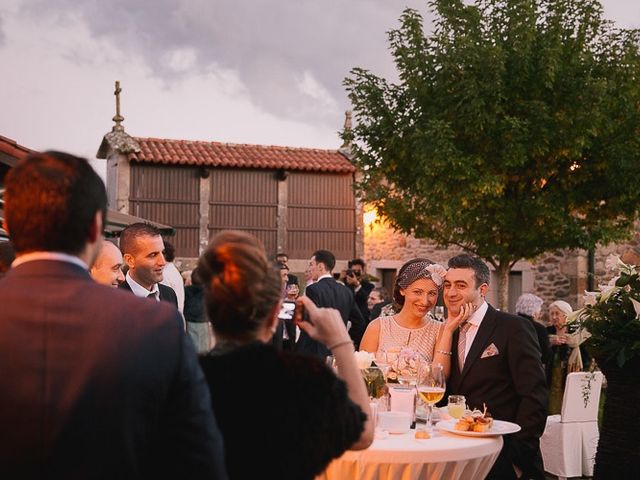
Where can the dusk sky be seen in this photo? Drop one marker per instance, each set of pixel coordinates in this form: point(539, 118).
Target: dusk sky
point(242, 71)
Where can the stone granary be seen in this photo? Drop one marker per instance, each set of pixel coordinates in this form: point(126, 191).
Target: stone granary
point(295, 200)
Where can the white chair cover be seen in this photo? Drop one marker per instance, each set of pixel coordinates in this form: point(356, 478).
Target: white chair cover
point(570, 440)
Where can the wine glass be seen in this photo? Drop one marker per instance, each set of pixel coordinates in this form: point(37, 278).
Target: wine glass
point(382, 361)
point(439, 313)
point(431, 387)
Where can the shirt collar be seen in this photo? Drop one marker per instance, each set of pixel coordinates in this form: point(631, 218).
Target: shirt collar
point(56, 256)
point(139, 291)
point(326, 275)
point(478, 315)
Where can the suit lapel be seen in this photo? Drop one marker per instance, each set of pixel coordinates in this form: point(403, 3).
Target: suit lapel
point(485, 331)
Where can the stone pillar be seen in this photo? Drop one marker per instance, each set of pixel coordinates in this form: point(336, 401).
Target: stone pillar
point(281, 217)
point(120, 163)
point(205, 188)
point(359, 222)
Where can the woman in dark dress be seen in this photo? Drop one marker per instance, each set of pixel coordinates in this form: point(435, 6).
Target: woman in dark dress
point(281, 415)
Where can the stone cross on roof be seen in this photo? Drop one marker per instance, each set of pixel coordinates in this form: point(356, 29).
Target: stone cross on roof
point(118, 118)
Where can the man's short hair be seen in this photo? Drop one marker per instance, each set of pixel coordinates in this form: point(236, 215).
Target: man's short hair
point(480, 269)
point(357, 261)
point(169, 251)
point(281, 254)
point(326, 258)
point(51, 200)
point(130, 233)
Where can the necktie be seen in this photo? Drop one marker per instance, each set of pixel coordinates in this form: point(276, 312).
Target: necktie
point(462, 343)
point(152, 295)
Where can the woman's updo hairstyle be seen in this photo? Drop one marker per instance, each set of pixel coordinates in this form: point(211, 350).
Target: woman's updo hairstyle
point(241, 286)
point(417, 269)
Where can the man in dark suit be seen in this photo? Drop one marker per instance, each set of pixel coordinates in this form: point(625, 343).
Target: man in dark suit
point(496, 361)
point(142, 249)
point(357, 280)
point(326, 292)
point(95, 382)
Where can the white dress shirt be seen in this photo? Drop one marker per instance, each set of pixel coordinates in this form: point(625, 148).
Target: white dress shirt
point(139, 291)
point(474, 321)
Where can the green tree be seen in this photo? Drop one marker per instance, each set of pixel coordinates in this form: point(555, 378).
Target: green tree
point(512, 131)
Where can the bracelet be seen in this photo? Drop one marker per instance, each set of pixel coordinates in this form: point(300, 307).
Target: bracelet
point(443, 352)
point(339, 344)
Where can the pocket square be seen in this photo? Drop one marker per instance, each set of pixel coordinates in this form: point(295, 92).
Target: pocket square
point(490, 351)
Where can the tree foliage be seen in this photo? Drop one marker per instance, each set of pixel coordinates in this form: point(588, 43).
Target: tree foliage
point(512, 131)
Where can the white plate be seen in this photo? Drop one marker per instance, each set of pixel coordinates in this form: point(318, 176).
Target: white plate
point(499, 427)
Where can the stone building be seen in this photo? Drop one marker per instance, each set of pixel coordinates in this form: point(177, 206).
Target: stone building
point(295, 200)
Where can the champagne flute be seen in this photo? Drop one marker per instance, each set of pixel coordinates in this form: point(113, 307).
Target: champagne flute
point(439, 313)
point(382, 361)
point(431, 387)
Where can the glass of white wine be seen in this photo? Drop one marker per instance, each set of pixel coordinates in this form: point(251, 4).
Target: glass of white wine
point(408, 366)
point(431, 387)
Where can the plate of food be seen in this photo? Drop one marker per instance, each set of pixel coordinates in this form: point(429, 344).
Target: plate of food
point(478, 424)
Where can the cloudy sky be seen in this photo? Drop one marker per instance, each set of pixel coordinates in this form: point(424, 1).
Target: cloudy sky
point(243, 71)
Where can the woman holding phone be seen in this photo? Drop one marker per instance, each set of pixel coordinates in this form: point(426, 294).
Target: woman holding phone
point(282, 415)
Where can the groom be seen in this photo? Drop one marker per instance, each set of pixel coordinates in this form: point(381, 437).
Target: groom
point(496, 361)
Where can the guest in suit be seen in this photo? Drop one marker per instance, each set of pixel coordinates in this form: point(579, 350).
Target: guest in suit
point(357, 280)
point(95, 382)
point(326, 292)
point(107, 269)
point(529, 306)
point(282, 415)
point(496, 361)
point(142, 249)
point(284, 258)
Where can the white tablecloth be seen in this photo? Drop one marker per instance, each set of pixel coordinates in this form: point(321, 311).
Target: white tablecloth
point(403, 457)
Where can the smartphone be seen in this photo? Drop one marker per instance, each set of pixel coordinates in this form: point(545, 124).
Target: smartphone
point(287, 310)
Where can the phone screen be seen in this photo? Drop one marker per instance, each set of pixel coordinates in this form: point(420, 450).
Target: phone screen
point(287, 309)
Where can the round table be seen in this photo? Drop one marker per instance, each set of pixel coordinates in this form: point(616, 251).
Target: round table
point(403, 457)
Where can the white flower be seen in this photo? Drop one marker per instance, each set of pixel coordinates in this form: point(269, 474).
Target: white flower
point(438, 272)
point(636, 307)
point(607, 293)
point(613, 263)
point(575, 315)
point(590, 298)
point(364, 359)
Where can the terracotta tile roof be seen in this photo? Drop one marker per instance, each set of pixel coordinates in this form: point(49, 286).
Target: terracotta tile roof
point(216, 154)
point(11, 148)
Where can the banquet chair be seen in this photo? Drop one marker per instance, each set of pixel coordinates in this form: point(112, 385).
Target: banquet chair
point(570, 440)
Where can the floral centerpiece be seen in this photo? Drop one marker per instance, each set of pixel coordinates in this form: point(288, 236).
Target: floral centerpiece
point(372, 375)
point(612, 319)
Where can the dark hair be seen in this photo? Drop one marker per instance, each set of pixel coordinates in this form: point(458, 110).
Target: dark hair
point(131, 232)
point(480, 269)
point(7, 256)
point(357, 261)
point(169, 251)
point(195, 277)
point(51, 200)
point(282, 254)
point(397, 297)
point(282, 266)
point(326, 258)
point(241, 286)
